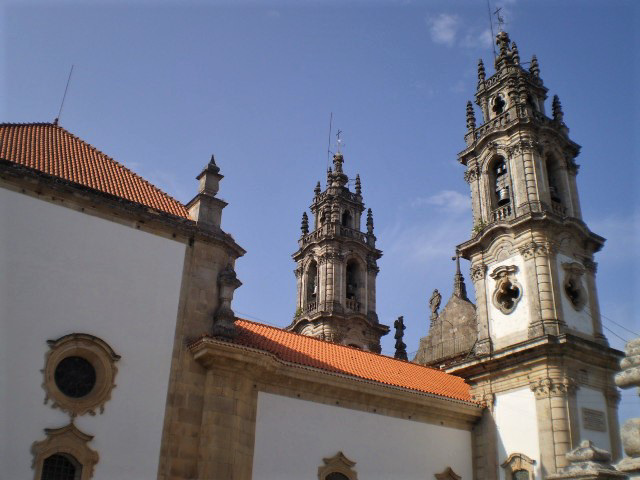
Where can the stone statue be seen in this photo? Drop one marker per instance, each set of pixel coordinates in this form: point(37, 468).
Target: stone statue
point(434, 303)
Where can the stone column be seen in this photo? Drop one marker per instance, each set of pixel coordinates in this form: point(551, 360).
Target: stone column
point(538, 258)
point(485, 440)
point(227, 433)
point(478, 276)
point(594, 306)
point(554, 424)
point(612, 398)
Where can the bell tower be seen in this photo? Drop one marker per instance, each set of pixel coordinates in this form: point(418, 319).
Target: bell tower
point(337, 267)
point(540, 360)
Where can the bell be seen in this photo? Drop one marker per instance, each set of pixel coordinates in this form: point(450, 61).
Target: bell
point(503, 195)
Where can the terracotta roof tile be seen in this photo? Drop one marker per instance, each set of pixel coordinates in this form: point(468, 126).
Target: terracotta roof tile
point(311, 352)
point(53, 150)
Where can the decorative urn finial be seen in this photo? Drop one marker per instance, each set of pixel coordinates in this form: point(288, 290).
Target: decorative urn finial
point(515, 55)
point(556, 108)
point(369, 221)
point(358, 185)
point(481, 72)
point(304, 226)
point(318, 189)
point(534, 68)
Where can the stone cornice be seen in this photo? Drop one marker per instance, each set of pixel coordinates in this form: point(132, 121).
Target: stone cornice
point(72, 195)
point(274, 374)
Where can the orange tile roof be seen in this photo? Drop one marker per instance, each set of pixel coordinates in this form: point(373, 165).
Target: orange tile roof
point(311, 352)
point(53, 150)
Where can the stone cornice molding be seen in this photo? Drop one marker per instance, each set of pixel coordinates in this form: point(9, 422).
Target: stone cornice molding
point(269, 370)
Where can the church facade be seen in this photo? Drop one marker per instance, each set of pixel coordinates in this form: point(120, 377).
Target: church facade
point(126, 359)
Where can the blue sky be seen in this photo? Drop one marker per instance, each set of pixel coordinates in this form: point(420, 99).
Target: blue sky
point(160, 86)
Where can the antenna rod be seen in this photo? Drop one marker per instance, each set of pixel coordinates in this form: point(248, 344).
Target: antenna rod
point(493, 43)
point(329, 144)
point(55, 122)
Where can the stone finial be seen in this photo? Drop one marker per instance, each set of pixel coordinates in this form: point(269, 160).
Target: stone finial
point(481, 72)
point(401, 348)
point(205, 209)
point(502, 40)
point(471, 117)
point(224, 318)
point(369, 221)
point(534, 68)
point(556, 108)
point(318, 189)
point(338, 179)
point(358, 185)
point(515, 55)
point(304, 225)
point(459, 288)
point(588, 463)
point(329, 176)
point(628, 377)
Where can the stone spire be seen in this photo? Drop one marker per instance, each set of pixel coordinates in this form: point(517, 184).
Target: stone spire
point(459, 288)
point(556, 108)
point(471, 117)
point(358, 185)
point(481, 72)
point(369, 221)
point(534, 68)
point(401, 348)
point(318, 189)
point(304, 226)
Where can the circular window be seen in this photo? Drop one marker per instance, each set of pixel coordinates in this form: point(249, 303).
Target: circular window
point(75, 377)
point(79, 373)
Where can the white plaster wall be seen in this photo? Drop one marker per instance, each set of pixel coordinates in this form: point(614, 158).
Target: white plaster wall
point(577, 320)
point(63, 271)
point(504, 326)
point(293, 436)
point(594, 400)
point(517, 423)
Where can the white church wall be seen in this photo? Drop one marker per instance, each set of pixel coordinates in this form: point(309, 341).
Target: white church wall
point(516, 421)
point(577, 320)
point(63, 271)
point(293, 436)
point(504, 327)
point(592, 412)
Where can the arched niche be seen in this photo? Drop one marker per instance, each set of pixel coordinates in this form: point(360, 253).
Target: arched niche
point(311, 284)
point(354, 283)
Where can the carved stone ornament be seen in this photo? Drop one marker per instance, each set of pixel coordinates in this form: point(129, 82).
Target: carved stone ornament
point(518, 462)
point(588, 462)
point(337, 467)
point(448, 474)
point(572, 287)
point(472, 174)
point(478, 272)
point(553, 387)
point(68, 442)
point(533, 249)
point(487, 400)
point(524, 146)
point(508, 291)
point(79, 373)
point(224, 318)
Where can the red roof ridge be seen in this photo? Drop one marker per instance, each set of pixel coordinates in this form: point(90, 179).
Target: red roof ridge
point(386, 357)
point(179, 205)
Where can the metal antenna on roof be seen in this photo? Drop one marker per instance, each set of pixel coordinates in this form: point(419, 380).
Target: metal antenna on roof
point(57, 119)
point(491, 27)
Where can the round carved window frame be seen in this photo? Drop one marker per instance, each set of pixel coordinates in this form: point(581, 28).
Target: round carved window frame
point(505, 274)
point(102, 358)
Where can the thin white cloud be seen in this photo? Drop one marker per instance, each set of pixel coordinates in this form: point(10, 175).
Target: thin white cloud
point(444, 28)
point(448, 200)
point(477, 38)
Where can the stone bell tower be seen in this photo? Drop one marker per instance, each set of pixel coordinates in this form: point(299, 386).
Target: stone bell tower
point(540, 360)
point(337, 267)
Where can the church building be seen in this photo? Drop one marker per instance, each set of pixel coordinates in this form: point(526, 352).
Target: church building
point(123, 357)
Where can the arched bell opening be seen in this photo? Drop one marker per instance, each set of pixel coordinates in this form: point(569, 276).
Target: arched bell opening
point(556, 184)
point(311, 281)
point(500, 189)
point(353, 285)
point(347, 220)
